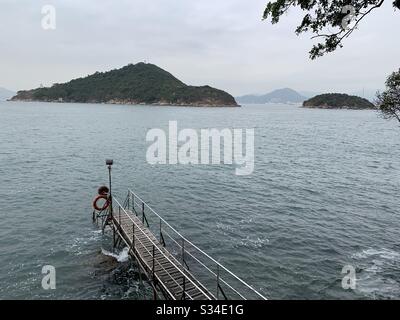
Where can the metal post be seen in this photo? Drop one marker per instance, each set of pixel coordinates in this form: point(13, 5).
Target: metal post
point(113, 237)
point(183, 252)
point(160, 232)
point(153, 263)
point(133, 203)
point(143, 213)
point(119, 215)
point(133, 235)
point(217, 281)
point(109, 179)
point(109, 163)
point(184, 289)
point(153, 276)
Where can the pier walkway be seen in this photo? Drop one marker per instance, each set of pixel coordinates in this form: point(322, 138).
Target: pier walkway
point(175, 267)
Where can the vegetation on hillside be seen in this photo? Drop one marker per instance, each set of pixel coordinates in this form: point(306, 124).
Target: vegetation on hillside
point(338, 101)
point(133, 84)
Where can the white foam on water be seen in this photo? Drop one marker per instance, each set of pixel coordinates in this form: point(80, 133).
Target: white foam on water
point(383, 253)
point(254, 242)
point(224, 227)
point(122, 256)
point(375, 279)
point(81, 245)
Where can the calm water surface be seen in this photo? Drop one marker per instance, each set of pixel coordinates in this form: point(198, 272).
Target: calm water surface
point(324, 194)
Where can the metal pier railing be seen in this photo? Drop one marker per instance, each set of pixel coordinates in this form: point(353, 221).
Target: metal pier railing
point(174, 265)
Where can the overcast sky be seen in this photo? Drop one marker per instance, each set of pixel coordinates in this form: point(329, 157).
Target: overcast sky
point(222, 43)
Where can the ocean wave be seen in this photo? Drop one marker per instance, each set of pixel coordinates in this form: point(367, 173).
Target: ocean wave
point(378, 275)
point(382, 253)
point(122, 256)
point(80, 245)
point(253, 242)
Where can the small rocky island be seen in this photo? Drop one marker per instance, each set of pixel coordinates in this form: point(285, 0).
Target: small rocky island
point(338, 101)
point(140, 83)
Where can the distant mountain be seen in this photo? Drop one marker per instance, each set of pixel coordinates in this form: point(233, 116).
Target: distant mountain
point(338, 101)
point(285, 95)
point(5, 94)
point(133, 84)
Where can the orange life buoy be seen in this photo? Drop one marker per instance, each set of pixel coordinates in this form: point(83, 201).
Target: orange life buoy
point(106, 204)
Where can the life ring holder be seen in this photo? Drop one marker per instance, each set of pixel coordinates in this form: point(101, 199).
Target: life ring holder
point(106, 204)
point(103, 194)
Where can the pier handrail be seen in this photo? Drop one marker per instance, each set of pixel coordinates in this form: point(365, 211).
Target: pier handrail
point(219, 265)
point(155, 246)
point(206, 267)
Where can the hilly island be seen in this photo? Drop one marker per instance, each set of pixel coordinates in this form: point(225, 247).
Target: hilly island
point(140, 83)
point(338, 101)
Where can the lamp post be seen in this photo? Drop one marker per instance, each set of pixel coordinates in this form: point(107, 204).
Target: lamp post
point(109, 163)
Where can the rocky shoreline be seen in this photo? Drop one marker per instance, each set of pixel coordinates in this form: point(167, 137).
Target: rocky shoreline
point(327, 107)
point(126, 102)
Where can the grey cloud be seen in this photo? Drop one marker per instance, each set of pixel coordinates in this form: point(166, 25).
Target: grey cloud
point(221, 43)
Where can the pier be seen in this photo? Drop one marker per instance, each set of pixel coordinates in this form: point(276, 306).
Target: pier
point(175, 268)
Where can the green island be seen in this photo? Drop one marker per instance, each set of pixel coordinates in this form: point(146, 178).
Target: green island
point(140, 83)
point(338, 101)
